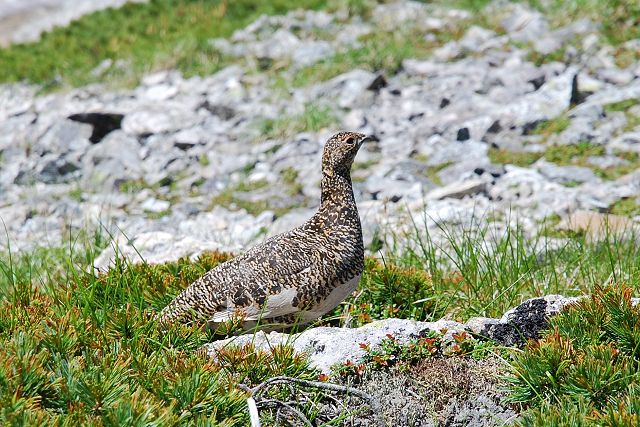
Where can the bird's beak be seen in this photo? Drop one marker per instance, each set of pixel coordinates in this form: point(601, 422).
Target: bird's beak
point(368, 138)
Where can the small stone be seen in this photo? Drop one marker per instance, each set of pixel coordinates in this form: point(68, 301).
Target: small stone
point(458, 190)
point(154, 205)
point(463, 134)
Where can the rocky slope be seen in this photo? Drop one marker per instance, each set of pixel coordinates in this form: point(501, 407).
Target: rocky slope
point(171, 163)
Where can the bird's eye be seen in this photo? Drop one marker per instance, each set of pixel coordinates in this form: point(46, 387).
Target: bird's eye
point(350, 140)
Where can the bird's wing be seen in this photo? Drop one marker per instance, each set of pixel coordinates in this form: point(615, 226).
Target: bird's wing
point(262, 283)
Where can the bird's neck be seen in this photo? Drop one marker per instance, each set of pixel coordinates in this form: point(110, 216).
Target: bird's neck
point(336, 190)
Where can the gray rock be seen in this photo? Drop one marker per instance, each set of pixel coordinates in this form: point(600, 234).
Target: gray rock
point(388, 189)
point(15, 99)
point(475, 37)
point(63, 137)
point(616, 76)
point(347, 89)
point(154, 205)
point(329, 346)
point(566, 174)
point(548, 102)
point(524, 24)
point(521, 323)
point(458, 190)
point(154, 120)
point(308, 53)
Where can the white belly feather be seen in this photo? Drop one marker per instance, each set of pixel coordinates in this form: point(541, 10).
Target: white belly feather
point(280, 304)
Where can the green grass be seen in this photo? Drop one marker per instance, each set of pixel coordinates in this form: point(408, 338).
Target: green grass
point(618, 18)
point(569, 155)
point(625, 207)
point(547, 128)
point(83, 348)
point(573, 154)
point(478, 272)
point(166, 34)
point(157, 35)
point(312, 119)
point(623, 105)
point(509, 157)
point(584, 371)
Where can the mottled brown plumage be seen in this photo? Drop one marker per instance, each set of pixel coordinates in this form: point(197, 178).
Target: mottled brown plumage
point(294, 277)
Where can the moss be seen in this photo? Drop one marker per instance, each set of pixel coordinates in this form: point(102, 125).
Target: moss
point(381, 51)
point(622, 106)
point(157, 215)
point(290, 177)
point(76, 194)
point(540, 59)
point(432, 172)
point(203, 160)
point(133, 186)
point(547, 128)
point(357, 166)
point(508, 157)
point(625, 207)
point(626, 56)
point(573, 154)
point(632, 162)
point(313, 119)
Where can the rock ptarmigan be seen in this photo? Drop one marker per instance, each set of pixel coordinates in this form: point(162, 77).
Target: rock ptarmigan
point(294, 277)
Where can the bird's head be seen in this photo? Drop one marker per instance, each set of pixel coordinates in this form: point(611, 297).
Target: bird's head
point(339, 152)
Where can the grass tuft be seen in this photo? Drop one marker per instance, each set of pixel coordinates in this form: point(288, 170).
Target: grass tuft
point(587, 363)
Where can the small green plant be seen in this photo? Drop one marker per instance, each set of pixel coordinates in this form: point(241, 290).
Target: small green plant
point(550, 127)
point(508, 157)
point(132, 186)
point(622, 106)
point(203, 160)
point(573, 153)
point(432, 172)
point(389, 291)
point(290, 177)
point(625, 207)
point(157, 214)
point(381, 51)
point(403, 355)
point(540, 59)
point(313, 119)
point(588, 361)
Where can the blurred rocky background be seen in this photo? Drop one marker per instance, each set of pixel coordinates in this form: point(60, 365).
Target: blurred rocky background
point(493, 115)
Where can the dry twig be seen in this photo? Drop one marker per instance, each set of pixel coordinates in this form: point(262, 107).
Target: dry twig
point(259, 401)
